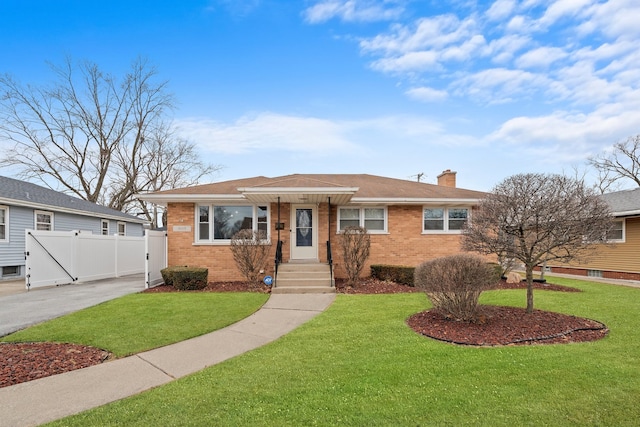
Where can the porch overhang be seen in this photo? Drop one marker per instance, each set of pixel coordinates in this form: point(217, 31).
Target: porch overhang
point(302, 195)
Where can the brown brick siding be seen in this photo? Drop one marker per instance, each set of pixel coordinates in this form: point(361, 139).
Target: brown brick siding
point(621, 275)
point(403, 245)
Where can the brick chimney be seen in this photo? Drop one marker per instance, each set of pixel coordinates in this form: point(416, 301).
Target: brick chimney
point(447, 178)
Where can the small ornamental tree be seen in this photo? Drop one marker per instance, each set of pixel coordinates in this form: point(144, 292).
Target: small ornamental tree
point(355, 243)
point(536, 218)
point(250, 252)
point(453, 284)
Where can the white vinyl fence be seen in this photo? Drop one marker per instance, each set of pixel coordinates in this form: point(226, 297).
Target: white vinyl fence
point(61, 257)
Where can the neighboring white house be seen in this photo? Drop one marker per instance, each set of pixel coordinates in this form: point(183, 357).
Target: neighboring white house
point(26, 206)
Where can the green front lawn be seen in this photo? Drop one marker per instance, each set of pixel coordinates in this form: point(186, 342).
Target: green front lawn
point(359, 364)
point(144, 321)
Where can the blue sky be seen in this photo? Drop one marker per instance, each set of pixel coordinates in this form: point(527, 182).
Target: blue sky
point(386, 87)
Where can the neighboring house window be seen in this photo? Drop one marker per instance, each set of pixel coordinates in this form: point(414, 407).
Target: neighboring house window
point(373, 219)
point(4, 223)
point(219, 223)
point(616, 233)
point(444, 220)
point(122, 228)
point(104, 226)
point(44, 220)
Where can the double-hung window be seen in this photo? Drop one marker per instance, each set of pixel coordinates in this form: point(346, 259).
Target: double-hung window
point(43, 220)
point(104, 227)
point(4, 223)
point(219, 223)
point(122, 228)
point(616, 232)
point(444, 219)
point(374, 219)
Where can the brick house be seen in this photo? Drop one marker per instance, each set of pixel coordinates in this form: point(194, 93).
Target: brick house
point(409, 222)
point(619, 260)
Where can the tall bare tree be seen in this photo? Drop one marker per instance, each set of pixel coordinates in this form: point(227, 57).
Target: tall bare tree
point(622, 163)
point(95, 136)
point(536, 218)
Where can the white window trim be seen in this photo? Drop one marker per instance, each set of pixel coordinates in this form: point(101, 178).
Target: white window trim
point(445, 229)
point(35, 219)
point(227, 242)
point(385, 230)
point(624, 232)
point(102, 223)
point(124, 233)
point(6, 224)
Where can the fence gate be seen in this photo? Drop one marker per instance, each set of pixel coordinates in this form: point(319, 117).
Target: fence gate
point(62, 257)
point(156, 257)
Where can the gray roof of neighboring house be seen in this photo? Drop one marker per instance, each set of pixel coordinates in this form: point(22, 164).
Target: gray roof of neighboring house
point(622, 203)
point(26, 193)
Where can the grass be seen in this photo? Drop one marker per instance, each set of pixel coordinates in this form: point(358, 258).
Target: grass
point(144, 321)
point(359, 364)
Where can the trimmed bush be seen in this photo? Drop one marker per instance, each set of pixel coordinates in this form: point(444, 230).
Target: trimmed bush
point(453, 284)
point(393, 273)
point(356, 244)
point(185, 278)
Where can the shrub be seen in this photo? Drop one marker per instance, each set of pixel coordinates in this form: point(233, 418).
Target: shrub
point(185, 278)
point(453, 284)
point(355, 243)
point(250, 253)
point(394, 273)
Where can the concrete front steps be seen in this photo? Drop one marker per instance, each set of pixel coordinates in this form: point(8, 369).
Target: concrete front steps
point(303, 278)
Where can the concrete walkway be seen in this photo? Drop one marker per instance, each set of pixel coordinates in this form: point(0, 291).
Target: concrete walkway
point(47, 399)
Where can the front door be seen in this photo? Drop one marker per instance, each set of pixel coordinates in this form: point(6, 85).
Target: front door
point(304, 232)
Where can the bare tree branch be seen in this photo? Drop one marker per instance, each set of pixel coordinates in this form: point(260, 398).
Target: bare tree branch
point(622, 163)
point(536, 218)
point(100, 138)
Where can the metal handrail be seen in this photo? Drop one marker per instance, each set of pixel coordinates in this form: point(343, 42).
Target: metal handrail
point(278, 261)
point(330, 260)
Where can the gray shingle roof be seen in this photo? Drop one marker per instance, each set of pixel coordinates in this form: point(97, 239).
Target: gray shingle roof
point(625, 201)
point(32, 194)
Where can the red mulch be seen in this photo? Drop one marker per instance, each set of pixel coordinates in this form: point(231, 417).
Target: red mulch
point(20, 362)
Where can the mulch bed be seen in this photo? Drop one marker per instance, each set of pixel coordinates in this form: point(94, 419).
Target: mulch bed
point(21, 362)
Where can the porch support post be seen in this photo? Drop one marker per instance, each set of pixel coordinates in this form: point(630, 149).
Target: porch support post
point(278, 226)
point(329, 215)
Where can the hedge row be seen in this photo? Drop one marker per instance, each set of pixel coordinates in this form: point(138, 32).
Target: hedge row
point(394, 273)
point(185, 278)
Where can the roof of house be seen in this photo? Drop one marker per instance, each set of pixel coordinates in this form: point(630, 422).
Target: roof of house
point(16, 192)
point(313, 188)
point(624, 203)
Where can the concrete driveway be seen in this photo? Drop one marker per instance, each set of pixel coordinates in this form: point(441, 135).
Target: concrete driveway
point(20, 309)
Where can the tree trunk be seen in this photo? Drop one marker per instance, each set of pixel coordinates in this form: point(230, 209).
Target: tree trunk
point(529, 272)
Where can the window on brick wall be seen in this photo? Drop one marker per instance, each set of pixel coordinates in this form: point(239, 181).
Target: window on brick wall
point(218, 223)
point(444, 219)
point(374, 219)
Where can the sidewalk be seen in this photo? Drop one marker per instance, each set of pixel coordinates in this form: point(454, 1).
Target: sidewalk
point(47, 399)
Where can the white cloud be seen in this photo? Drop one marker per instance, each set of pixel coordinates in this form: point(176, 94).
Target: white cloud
point(412, 61)
point(569, 135)
point(427, 94)
point(499, 85)
point(541, 57)
point(427, 33)
point(266, 131)
point(563, 8)
point(500, 9)
point(353, 10)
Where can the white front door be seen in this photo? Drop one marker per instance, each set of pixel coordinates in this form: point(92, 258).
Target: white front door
point(304, 232)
